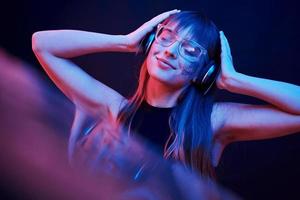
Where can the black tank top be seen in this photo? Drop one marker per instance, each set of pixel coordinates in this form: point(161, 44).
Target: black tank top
point(152, 123)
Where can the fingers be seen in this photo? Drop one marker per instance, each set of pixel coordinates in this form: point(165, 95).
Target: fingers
point(135, 38)
point(226, 52)
point(224, 43)
point(161, 17)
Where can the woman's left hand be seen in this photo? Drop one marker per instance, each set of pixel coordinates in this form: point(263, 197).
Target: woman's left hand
point(227, 71)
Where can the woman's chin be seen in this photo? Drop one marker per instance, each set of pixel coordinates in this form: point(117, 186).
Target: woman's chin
point(160, 75)
point(167, 77)
point(167, 81)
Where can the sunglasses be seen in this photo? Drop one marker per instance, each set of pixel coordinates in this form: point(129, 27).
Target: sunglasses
point(188, 49)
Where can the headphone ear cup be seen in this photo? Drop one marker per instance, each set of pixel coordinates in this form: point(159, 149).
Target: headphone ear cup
point(147, 41)
point(205, 80)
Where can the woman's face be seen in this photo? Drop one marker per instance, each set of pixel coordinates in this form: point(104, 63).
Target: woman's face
point(168, 64)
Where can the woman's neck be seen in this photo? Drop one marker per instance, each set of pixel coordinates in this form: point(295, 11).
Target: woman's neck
point(159, 94)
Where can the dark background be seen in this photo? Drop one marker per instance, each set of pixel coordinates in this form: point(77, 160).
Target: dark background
point(264, 40)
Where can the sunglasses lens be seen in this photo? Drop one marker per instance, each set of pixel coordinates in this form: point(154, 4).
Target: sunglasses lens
point(190, 51)
point(165, 36)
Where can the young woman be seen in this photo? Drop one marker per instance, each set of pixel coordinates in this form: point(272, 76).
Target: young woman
point(185, 45)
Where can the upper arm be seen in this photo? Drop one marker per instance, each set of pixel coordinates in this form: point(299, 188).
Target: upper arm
point(236, 122)
point(84, 91)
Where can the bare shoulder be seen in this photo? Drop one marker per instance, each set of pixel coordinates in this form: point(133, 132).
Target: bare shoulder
point(224, 112)
point(233, 122)
point(117, 105)
point(217, 117)
point(220, 113)
point(112, 99)
point(98, 99)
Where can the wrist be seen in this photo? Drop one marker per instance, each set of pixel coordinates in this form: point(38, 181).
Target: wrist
point(122, 43)
point(127, 45)
point(233, 82)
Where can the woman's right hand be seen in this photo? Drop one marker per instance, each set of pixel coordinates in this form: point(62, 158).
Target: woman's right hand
point(134, 38)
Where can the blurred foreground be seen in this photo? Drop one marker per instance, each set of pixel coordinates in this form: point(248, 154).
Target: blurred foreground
point(35, 122)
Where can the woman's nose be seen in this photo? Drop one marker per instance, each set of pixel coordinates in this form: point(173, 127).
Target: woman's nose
point(171, 51)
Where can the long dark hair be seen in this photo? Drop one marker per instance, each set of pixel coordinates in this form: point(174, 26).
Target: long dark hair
point(190, 140)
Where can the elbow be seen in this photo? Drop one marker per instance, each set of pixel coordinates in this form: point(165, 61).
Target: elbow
point(37, 41)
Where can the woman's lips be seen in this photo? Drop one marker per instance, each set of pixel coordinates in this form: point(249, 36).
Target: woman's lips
point(164, 64)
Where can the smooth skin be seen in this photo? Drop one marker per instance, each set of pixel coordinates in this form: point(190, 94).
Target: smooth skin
point(231, 122)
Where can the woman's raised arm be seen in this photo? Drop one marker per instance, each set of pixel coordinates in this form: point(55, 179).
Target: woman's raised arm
point(54, 48)
point(252, 122)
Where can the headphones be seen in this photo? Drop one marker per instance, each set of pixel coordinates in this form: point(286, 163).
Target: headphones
point(206, 77)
